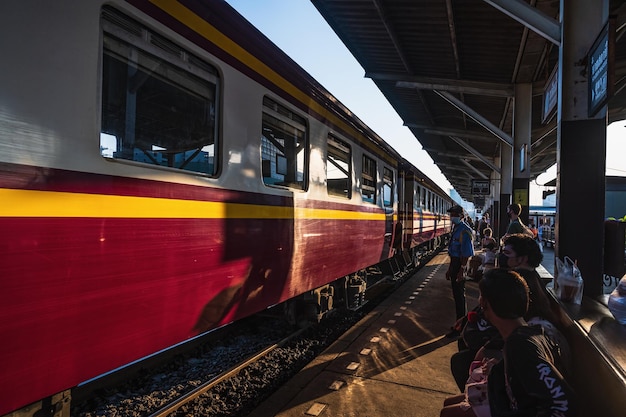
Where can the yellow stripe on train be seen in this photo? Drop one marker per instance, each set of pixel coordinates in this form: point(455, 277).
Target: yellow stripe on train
point(209, 32)
point(28, 203)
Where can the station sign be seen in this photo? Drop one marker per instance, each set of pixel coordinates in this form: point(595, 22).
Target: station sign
point(550, 96)
point(480, 187)
point(600, 71)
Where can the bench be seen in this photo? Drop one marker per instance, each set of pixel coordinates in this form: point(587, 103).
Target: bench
point(598, 345)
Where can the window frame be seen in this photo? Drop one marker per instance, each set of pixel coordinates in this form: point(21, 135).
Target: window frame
point(274, 115)
point(388, 185)
point(369, 178)
point(338, 148)
point(177, 65)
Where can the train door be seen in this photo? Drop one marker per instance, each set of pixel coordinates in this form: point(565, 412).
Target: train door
point(405, 206)
point(388, 191)
point(419, 212)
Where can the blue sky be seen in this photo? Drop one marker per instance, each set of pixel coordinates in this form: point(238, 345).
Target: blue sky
point(297, 28)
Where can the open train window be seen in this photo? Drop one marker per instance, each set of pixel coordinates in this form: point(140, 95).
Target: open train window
point(368, 180)
point(158, 100)
point(387, 187)
point(338, 168)
point(283, 146)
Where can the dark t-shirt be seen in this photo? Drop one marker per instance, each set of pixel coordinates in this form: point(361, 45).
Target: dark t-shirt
point(529, 381)
point(515, 227)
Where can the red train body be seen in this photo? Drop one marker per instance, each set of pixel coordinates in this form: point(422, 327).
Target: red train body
point(109, 257)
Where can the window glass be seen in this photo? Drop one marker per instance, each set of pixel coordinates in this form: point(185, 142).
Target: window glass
point(417, 203)
point(283, 146)
point(387, 187)
point(368, 180)
point(338, 171)
point(158, 101)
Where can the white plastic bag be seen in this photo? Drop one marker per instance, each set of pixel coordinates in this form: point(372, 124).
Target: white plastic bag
point(617, 301)
point(569, 281)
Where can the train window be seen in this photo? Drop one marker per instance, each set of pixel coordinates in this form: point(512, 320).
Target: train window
point(338, 168)
point(368, 180)
point(387, 187)
point(158, 100)
point(283, 146)
point(416, 197)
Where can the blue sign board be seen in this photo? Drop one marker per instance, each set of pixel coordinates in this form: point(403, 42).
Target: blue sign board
point(600, 69)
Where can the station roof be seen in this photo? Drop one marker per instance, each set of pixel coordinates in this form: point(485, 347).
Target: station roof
point(429, 55)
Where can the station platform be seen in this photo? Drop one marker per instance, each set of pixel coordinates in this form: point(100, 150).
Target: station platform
point(394, 362)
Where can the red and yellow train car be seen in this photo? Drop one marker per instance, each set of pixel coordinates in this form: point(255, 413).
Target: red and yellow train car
point(165, 170)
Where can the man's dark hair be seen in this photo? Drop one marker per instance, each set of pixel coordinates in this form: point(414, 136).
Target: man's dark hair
point(506, 291)
point(515, 208)
point(524, 245)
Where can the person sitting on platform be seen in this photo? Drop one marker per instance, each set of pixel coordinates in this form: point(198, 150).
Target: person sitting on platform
point(488, 238)
point(489, 257)
point(521, 253)
point(529, 380)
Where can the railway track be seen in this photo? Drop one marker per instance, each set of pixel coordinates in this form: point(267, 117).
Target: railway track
point(185, 399)
point(230, 377)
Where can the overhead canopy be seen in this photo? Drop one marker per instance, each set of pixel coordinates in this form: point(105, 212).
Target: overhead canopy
point(448, 67)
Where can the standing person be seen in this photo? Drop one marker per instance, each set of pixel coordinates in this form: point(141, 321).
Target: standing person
point(529, 380)
point(482, 225)
point(516, 225)
point(460, 249)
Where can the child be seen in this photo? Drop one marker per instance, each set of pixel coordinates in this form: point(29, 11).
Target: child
point(489, 256)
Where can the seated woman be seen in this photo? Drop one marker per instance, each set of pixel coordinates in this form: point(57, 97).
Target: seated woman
point(488, 238)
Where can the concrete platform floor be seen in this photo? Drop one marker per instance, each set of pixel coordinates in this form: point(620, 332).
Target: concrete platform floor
point(394, 362)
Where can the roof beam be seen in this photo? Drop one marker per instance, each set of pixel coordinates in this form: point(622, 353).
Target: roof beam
point(445, 84)
point(473, 168)
point(392, 34)
point(451, 154)
point(530, 17)
point(476, 153)
point(434, 130)
point(496, 131)
point(481, 88)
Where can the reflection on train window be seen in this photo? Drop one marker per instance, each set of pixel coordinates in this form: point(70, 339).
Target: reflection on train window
point(158, 100)
point(368, 180)
point(283, 146)
point(338, 168)
point(387, 187)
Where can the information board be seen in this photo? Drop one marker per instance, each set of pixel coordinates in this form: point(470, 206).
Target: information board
point(480, 187)
point(600, 69)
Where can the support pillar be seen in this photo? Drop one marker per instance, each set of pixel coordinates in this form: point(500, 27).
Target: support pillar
point(495, 208)
point(522, 130)
point(506, 185)
point(581, 147)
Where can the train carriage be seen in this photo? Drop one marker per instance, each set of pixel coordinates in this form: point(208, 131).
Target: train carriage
point(165, 170)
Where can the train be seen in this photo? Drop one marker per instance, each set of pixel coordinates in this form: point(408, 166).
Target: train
point(165, 170)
